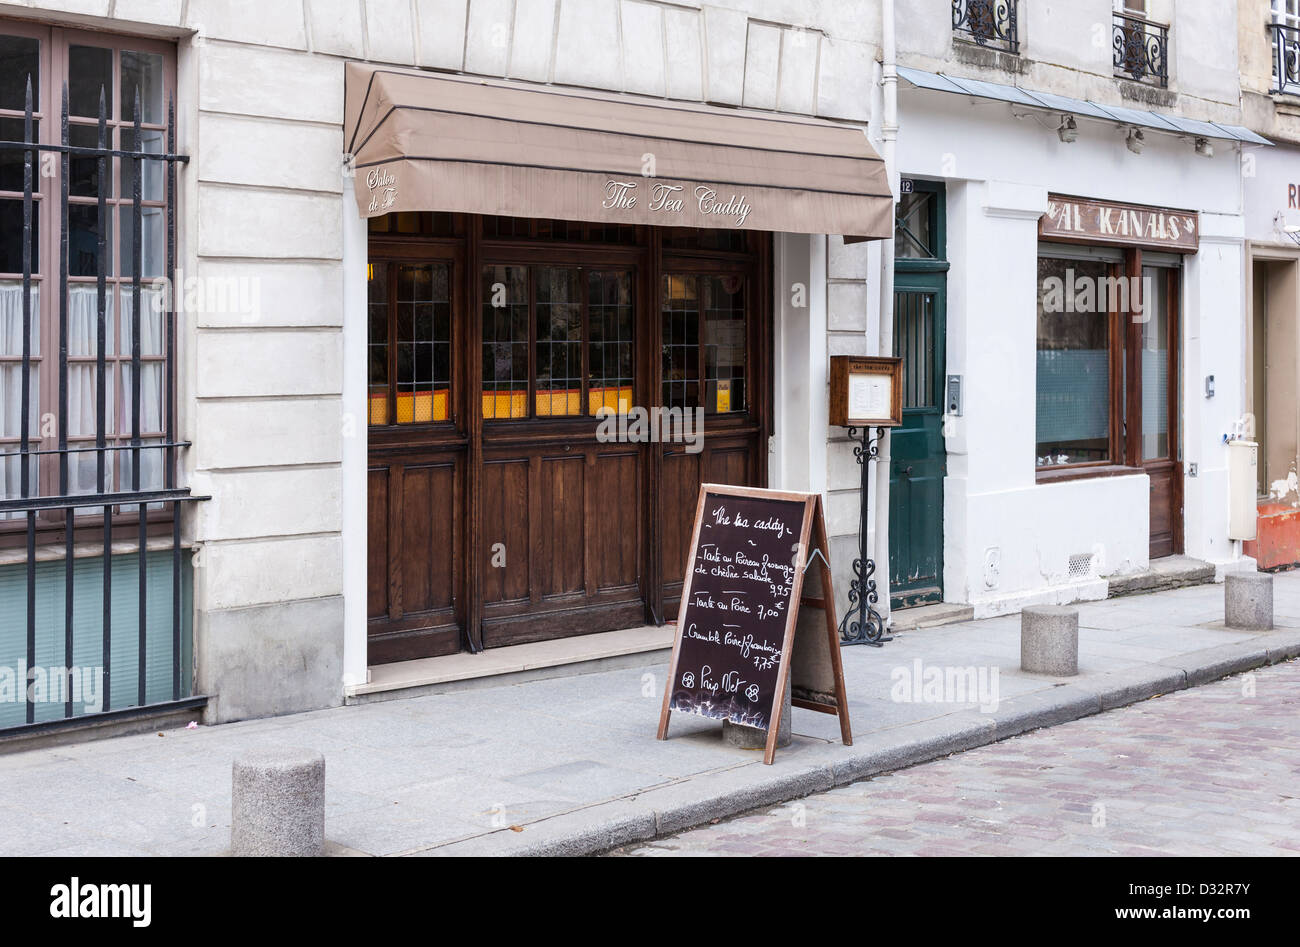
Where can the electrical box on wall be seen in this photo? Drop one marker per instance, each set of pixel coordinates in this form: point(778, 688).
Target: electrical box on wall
point(1243, 474)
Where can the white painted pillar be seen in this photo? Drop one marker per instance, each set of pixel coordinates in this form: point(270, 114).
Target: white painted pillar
point(817, 429)
point(798, 458)
point(355, 435)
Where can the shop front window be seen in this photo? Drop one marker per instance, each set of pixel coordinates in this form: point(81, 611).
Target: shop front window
point(505, 342)
point(559, 341)
point(609, 317)
point(409, 343)
point(1074, 417)
point(704, 329)
point(580, 343)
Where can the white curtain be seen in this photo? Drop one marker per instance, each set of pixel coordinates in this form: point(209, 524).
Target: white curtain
point(11, 380)
point(83, 320)
point(151, 386)
point(83, 333)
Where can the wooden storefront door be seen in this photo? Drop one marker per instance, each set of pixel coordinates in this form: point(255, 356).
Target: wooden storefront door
point(501, 510)
point(562, 531)
point(1155, 439)
point(418, 454)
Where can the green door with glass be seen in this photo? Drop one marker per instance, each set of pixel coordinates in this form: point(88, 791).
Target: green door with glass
point(918, 461)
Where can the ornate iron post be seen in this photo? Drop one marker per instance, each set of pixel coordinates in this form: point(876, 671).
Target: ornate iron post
point(866, 626)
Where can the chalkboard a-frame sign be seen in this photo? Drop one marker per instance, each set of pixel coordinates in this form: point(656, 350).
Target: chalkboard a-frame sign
point(757, 607)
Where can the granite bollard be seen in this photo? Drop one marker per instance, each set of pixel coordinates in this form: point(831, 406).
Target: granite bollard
point(1248, 600)
point(278, 803)
point(1049, 640)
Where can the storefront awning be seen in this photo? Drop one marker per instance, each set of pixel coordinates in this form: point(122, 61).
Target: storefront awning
point(429, 142)
point(1160, 121)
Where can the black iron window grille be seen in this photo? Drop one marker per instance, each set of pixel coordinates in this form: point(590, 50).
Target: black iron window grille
point(1286, 59)
point(1141, 50)
point(126, 475)
point(991, 23)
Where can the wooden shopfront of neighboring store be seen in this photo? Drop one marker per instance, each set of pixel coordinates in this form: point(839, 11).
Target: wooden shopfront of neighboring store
point(540, 260)
point(1109, 349)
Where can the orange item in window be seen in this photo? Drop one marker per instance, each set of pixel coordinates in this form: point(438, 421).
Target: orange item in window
point(379, 408)
point(505, 404)
point(412, 407)
point(421, 406)
point(559, 402)
point(618, 400)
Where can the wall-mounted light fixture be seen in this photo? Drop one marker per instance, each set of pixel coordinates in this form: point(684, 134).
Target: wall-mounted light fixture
point(1204, 148)
point(1069, 130)
point(1136, 141)
point(1290, 231)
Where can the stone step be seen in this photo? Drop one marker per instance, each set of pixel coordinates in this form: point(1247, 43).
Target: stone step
point(930, 616)
point(1172, 572)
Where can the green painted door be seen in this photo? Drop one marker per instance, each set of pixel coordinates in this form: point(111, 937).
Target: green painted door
point(918, 461)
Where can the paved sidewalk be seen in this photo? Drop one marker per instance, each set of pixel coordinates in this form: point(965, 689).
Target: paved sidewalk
point(1208, 771)
point(570, 765)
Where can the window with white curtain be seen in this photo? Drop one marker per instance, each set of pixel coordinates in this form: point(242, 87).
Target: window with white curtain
point(88, 63)
point(1287, 12)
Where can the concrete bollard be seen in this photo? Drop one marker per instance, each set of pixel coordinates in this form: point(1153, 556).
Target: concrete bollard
point(753, 738)
point(1049, 640)
point(1248, 600)
point(278, 803)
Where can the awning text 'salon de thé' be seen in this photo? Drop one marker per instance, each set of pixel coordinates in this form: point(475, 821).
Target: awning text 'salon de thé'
point(428, 142)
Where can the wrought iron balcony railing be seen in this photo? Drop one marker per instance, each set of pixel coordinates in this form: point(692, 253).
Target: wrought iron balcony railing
point(990, 23)
point(1286, 59)
point(1141, 50)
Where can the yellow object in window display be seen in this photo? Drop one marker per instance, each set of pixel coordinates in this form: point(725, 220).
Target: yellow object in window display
point(413, 407)
point(501, 405)
point(618, 400)
point(559, 402)
point(421, 406)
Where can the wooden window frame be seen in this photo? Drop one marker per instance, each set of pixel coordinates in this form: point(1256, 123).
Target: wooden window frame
point(467, 249)
point(1125, 397)
point(53, 62)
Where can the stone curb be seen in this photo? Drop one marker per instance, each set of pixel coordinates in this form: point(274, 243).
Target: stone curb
point(668, 810)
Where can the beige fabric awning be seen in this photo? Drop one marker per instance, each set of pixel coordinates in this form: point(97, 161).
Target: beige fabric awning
point(431, 142)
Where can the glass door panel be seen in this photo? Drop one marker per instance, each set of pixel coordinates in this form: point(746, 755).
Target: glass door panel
point(1155, 363)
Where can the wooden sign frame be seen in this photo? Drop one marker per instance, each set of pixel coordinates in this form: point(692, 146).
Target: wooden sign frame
point(845, 366)
point(1092, 222)
point(812, 545)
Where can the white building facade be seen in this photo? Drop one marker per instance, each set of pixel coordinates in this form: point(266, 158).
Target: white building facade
point(1050, 482)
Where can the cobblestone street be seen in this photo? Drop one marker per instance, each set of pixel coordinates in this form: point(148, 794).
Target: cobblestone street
point(1213, 770)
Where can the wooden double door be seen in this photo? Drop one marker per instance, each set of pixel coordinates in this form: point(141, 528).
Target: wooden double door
point(525, 483)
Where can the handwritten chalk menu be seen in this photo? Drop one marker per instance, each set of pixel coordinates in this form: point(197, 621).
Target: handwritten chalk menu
point(733, 623)
point(736, 626)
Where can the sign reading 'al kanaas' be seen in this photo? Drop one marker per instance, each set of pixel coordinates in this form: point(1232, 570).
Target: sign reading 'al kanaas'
point(1103, 222)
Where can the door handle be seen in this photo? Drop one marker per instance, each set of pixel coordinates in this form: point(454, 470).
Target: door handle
point(907, 471)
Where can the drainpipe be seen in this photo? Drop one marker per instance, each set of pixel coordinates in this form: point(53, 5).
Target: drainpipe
point(888, 138)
